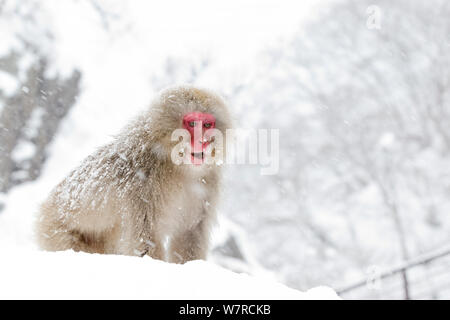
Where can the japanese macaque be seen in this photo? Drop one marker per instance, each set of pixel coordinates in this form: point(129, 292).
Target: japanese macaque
point(130, 197)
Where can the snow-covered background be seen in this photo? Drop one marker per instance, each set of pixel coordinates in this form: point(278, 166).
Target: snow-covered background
point(358, 89)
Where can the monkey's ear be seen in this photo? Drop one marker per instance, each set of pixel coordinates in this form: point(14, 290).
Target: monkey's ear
point(161, 150)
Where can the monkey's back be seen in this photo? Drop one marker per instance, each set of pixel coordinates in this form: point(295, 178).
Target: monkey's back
point(99, 198)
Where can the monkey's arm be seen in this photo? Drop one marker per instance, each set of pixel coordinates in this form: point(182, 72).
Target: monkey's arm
point(190, 245)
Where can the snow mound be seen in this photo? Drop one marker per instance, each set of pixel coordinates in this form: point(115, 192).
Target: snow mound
point(68, 275)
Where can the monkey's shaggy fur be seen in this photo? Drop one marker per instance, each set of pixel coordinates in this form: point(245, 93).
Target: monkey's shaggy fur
point(128, 196)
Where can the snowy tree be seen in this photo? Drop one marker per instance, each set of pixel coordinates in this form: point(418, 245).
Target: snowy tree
point(363, 114)
point(32, 100)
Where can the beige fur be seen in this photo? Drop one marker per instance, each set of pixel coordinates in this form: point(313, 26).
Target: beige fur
point(128, 197)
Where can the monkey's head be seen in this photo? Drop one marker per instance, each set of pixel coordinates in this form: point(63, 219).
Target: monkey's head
point(190, 123)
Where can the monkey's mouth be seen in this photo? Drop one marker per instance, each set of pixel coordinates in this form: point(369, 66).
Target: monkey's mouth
point(197, 158)
point(197, 155)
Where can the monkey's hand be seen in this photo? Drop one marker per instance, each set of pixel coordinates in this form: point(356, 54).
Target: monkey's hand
point(141, 253)
point(150, 248)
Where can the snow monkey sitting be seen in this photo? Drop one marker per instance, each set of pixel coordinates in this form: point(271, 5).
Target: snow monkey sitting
point(130, 196)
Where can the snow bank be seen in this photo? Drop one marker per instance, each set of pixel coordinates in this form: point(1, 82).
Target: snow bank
point(33, 274)
point(28, 273)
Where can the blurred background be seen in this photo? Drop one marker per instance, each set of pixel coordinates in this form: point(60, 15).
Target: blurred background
point(358, 89)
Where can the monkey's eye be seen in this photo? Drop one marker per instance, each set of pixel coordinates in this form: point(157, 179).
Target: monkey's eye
point(208, 125)
point(192, 124)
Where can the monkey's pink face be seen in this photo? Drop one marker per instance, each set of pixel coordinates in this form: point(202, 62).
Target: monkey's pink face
point(198, 124)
